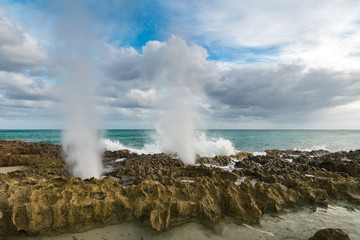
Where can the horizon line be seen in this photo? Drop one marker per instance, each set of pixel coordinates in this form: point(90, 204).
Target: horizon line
point(202, 129)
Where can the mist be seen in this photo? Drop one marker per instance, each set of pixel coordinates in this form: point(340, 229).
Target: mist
point(176, 125)
point(77, 80)
point(177, 70)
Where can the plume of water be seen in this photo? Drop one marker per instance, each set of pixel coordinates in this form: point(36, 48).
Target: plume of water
point(81, 121)
point(177, 69)
point(77, 76)
point(176, 126)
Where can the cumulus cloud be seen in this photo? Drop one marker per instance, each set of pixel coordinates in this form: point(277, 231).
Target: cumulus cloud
point(231, 92)
point(283, 92)
point(16, 86)
point(23, 97)
point(143, 98)
point(145, 79)
point(122, 64)
point(311, 64)
point(18, 49)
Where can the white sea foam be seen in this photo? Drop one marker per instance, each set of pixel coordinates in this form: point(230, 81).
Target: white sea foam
point(261, 231)
point(313, 148)
point(111, 145)
point(205, 146)
point(288, 160)
point(115, 145)
point(211, 146)
point(120, 160)
point(259, 153)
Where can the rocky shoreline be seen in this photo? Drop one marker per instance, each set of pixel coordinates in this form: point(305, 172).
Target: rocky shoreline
point(160, 192)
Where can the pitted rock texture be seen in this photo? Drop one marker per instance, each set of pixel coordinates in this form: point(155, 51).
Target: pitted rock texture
point(159, 191)
point(330, 234)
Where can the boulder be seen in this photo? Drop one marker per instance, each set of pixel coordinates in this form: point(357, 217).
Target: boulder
point(330, 234)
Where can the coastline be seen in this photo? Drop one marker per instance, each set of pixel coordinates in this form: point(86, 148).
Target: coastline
point(295, 223)
point(160, 192)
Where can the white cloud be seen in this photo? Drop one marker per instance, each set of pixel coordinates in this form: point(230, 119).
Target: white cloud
point(121, 64)
point(282, 93)
point(320, 33)
point(20, 87)
point(310, 74)
point(160, 67)
point(143, 98)
point(259, 94)
point(26, 98)
point(265, 23)
point(341, 52)
point(18, 49)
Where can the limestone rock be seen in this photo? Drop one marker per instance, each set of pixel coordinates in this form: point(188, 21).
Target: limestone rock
point(330, 234)
point(160, 192)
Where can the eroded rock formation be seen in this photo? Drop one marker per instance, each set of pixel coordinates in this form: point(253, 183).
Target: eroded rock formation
point(159, 191)
point(330, 234)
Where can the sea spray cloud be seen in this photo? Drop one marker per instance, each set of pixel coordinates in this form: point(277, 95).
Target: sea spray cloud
point(77, 75)
point(81, 122)
point(177, 69)
point(176, 126)
point(213, 146)
point(170, 78)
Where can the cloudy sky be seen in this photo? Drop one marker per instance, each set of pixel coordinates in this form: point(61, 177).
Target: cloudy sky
point(240, 64)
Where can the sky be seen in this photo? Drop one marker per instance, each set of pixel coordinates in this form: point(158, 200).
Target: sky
point(242, 64)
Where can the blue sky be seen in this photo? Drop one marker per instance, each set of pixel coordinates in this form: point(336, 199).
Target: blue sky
point(258, 64)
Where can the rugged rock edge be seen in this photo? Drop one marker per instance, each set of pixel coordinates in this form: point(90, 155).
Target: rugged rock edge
point(160, 192)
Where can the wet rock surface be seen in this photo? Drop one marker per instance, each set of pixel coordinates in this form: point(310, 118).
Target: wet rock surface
point(159, 191)
point(330, 234)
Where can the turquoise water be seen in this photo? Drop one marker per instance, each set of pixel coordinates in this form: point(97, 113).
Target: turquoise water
point(47, 136)
point(247, 140)
point(260, 140)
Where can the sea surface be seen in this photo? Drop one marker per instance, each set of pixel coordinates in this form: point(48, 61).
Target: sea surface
point(210, 142)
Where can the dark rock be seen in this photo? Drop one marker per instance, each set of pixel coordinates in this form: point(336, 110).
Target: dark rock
point(330, 234)
point(217, 160)
point(112, 155)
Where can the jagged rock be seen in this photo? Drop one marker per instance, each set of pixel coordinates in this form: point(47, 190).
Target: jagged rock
point(242, 154)
point(217, 160)
point(118, 154)
point(330, 234)
point(43, 158)
point(159, 191)
point(275, 153)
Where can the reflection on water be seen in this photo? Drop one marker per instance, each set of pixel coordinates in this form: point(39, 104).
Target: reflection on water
point(291, 224)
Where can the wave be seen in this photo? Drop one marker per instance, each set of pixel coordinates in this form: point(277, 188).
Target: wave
point(115, 145)
point(211, 146)
point(313, 148)
point(204, 146)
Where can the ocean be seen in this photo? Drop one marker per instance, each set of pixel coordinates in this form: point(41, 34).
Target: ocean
point(210, 142)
